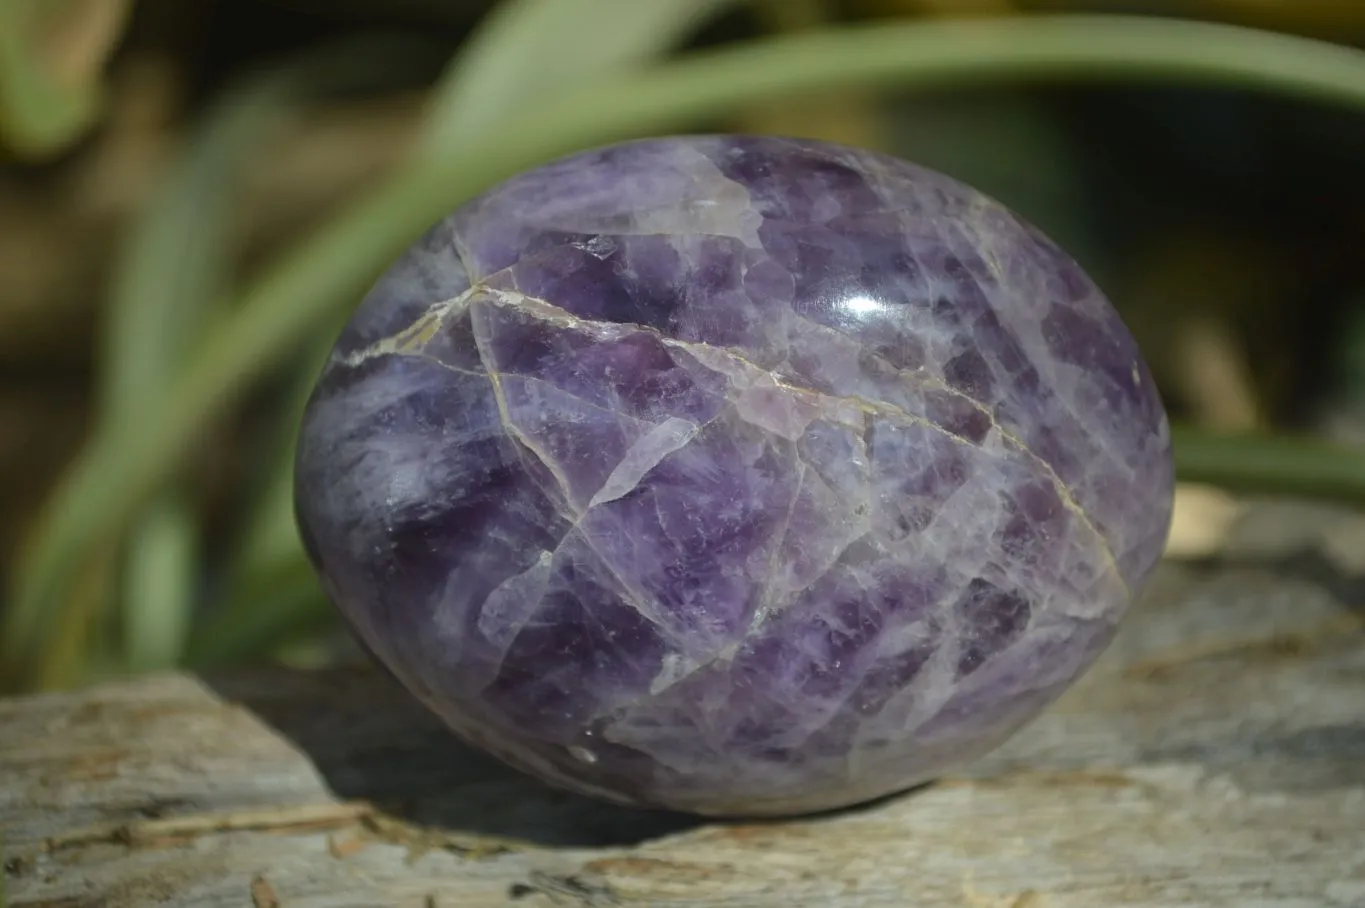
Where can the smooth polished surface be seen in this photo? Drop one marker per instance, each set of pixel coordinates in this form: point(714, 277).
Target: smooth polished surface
point(735, 475)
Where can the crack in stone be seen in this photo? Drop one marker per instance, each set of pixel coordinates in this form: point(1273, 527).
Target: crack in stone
point(407, 342)
point(899, 414)
point(428, 358)
point(562, 481)
point(925, 381)
point(865, 438)
point(576, 398)
point(515, 431)
point(411, 341)
point(930, 382)
point(765, 605)
point(725, 654)
point(495, 376)
point(634, 598)
point(687, 231)
point(539, 573)
point(706, 355)
point(462, 255)
point(647, 452)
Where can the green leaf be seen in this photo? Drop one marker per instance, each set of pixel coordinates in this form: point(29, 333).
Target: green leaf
point(281, 603)
point(124, 463)
point(251, 607)
point(1273, 464)
point(160, 572)
point(173, 274)
point(170, 285)
point(526, 50)
point(170, 282)
point(51, 54)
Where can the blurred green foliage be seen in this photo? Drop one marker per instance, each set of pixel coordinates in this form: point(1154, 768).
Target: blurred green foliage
point(123, 569)
point(51, 52)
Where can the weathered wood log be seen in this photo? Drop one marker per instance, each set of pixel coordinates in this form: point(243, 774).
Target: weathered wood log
point(1215, 756)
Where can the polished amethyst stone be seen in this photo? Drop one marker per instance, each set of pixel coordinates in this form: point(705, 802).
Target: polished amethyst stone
point(734, 475)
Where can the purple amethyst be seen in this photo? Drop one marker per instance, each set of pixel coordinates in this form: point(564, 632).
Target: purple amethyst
point(734, 475)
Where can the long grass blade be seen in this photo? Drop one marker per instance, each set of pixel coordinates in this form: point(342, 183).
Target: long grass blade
point(172, 279)
point(528, 49)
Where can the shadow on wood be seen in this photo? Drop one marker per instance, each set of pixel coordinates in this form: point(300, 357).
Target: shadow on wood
point(372, 741)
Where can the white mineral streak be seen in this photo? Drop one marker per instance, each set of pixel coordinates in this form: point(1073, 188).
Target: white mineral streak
point(412, 340)
point(582, 754)
point(708, 203)
point(778, 584)
point(1091, 586)
point(761, 401)
point(675, 667)
point(759, 396)
point(513, 602)
point(500, 396)
point(827, 529)
point(913, 705)
point(668, 436)
point(1021, 295)
point(390, 477)
point(938, 348)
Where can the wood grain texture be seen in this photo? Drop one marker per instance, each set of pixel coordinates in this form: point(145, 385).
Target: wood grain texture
point(1216, 756)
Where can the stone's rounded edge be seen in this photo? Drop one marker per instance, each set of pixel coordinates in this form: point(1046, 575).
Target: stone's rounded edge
point(813, 807)
point(464, 243)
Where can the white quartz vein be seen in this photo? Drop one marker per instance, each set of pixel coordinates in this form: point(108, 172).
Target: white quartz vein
point(671, 435)
point(412, 340)
point(765, 604)
point(576, 398)
point(636, 599)
point(513, 603)
point(929, 381)
point(741, 371)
